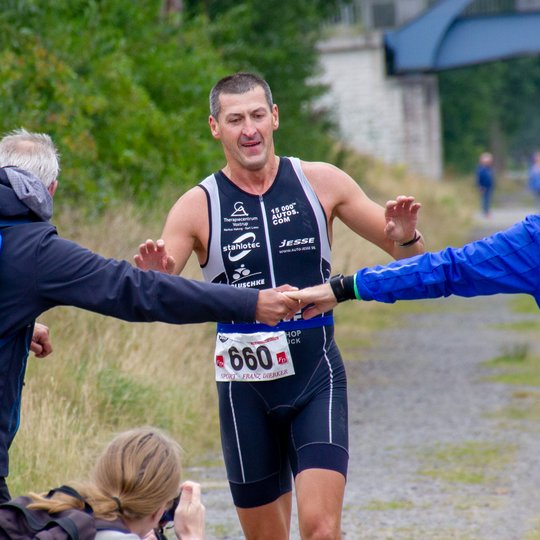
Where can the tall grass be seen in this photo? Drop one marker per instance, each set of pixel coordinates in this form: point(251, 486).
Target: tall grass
point(106, 375)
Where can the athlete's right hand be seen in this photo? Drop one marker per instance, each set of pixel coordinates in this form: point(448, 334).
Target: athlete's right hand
point(273, 306)
point(153, 256)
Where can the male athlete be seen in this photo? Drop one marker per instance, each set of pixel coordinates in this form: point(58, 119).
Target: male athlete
point(266, 221)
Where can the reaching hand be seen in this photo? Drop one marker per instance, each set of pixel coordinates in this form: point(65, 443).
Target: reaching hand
point(273, 305)
point(320, 299)
point(41, 344)
point(153, 256)
point(189, 515)
point(401, 219)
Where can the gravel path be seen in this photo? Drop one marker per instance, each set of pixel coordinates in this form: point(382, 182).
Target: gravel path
point(419, 389)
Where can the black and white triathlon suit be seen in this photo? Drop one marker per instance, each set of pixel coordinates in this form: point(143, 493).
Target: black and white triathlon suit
point(282, 401)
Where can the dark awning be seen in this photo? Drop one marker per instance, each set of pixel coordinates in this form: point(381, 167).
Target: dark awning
point(442, 39)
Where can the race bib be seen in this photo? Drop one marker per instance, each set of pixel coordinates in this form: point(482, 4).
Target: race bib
point(263, 356)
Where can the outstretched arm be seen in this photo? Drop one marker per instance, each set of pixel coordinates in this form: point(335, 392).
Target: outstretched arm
point(71, 275)
point(506, 262)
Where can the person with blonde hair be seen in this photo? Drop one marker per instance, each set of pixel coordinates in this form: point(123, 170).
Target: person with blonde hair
point(134, 481)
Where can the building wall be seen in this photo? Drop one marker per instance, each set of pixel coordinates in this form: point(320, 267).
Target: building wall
point(394, 119)
point(402, 10)
point(525, 5)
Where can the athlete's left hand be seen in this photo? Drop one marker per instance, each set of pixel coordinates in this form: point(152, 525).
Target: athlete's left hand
point(401, 217)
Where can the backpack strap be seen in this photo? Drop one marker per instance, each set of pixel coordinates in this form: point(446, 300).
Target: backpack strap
point(72, 492)
point(78, 525)
point(101, 524)
point(20, 504)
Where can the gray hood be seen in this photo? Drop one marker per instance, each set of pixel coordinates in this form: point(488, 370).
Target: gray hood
point(31, 192)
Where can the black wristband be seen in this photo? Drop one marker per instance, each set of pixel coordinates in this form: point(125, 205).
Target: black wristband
point(416, 238)
point(342, 287)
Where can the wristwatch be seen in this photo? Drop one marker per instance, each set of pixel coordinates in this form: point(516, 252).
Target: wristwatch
point(338, 288)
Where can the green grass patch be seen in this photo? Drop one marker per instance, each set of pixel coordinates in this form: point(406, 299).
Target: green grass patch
point(399, 504)
point(517, 353)
point(422, 533)
point(524, 406)
point(533, 534)
point(524, 303)
point(521, 326)
point(516, 366)
point(474, 462)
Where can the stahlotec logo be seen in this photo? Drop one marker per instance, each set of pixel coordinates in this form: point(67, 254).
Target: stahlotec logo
point(297, 242)
point(241, 246)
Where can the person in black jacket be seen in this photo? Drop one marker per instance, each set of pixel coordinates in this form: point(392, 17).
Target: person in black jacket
point(40, 270)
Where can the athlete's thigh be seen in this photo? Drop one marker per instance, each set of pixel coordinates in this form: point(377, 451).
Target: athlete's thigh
point(319, 432)
point(254, 446)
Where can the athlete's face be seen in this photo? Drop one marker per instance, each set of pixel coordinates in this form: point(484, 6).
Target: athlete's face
point(245, 127)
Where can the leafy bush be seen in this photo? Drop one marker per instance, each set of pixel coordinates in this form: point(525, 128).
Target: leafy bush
point(121, 91)
point(123, 88)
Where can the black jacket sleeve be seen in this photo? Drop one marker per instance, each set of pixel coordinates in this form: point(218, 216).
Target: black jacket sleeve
point(68, 274)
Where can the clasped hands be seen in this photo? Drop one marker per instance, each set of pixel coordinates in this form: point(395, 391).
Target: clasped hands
point(282, 303)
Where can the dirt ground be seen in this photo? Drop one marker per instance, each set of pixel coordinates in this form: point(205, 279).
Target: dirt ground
point(436, 451)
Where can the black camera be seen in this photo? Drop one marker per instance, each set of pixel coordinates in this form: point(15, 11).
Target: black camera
point(168, 515)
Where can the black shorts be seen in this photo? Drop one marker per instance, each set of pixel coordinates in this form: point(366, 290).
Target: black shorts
point(274, 429)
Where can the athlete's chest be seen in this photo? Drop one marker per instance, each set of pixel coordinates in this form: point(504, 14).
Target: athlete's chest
point(266, 240)
point(282, 220)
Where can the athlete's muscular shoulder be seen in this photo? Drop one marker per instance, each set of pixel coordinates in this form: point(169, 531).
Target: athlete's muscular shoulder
point(187, 228)
point(332, 186)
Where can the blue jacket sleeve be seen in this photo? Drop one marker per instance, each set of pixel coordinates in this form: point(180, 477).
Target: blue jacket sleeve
point(506, 262)
point(68, 274)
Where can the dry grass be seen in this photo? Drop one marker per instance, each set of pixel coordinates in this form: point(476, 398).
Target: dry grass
point(106, 375)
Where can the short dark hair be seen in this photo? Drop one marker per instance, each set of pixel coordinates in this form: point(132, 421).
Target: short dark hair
point(238, 83)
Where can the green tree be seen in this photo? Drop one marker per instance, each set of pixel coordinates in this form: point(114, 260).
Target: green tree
point(119, 87)
point(123, 86)
point(491, 107)
point(278, 40)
